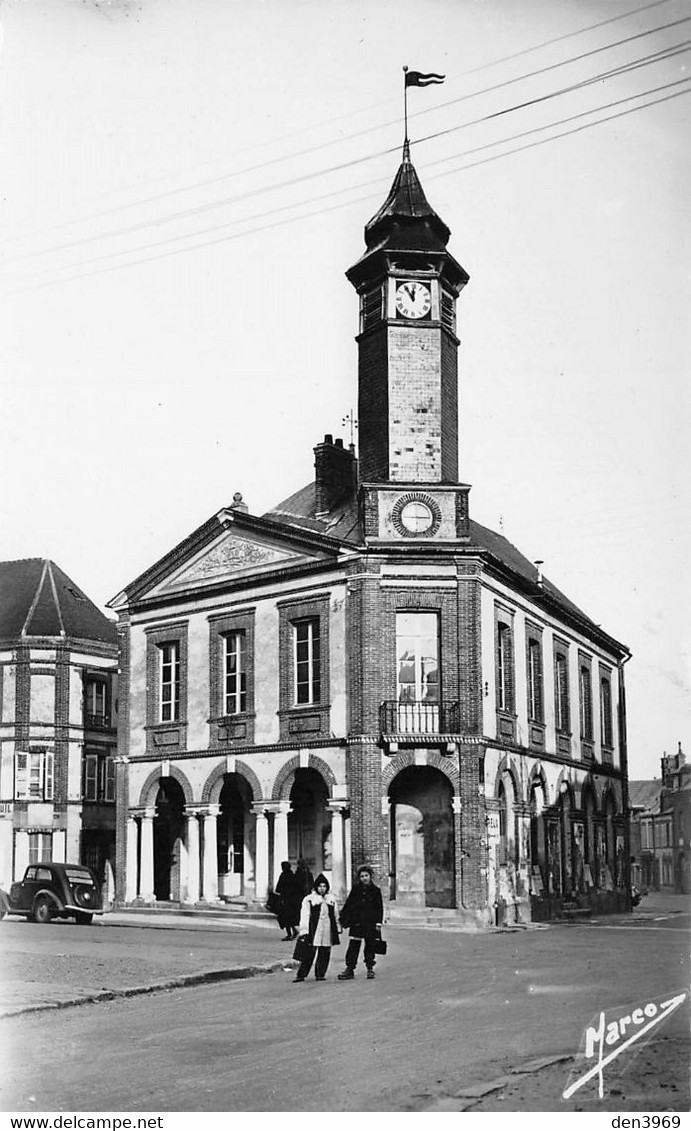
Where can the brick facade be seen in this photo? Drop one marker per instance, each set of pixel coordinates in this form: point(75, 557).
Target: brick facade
point(408, 758)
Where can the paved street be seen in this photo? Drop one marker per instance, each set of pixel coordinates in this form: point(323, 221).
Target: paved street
point(448, 1013)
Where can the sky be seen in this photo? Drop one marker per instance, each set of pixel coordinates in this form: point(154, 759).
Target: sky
point(184, 184)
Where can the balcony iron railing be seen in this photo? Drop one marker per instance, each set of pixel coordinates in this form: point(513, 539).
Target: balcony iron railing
point(97, 722)
point(419, 717)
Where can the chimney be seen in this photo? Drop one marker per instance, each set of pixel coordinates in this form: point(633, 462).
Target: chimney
point(334, 473)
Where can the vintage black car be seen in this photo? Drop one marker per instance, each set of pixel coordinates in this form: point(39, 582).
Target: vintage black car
point(54, 891)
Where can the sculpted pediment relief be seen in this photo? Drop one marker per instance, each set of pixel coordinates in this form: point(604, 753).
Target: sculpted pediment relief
point(232, 556)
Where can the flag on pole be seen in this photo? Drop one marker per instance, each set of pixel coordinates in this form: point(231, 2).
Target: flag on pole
point(416, 78)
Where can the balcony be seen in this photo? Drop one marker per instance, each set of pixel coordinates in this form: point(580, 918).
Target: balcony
point(96, 722)
point(411, 718)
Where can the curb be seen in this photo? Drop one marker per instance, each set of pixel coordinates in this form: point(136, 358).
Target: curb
point(464, 1099)
point(208, 977)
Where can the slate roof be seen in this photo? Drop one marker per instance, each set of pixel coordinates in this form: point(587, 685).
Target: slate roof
point(38, 599)
point(644, 794)
point(299, 509)
point(405, 206)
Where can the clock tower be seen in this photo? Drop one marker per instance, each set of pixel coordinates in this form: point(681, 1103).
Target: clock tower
point(408, 284)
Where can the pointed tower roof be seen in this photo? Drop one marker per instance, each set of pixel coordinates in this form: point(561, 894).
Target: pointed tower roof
point(406, 219)
point(38, 599)
point(406, 227)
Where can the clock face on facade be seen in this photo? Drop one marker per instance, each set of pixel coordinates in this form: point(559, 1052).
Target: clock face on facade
point(413, 299)
point(416, 517)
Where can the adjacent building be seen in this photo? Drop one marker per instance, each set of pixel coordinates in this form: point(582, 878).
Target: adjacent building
point(364, 673)
point(58, 703)
point(652, 864)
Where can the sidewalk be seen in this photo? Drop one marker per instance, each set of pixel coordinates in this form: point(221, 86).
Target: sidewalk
point(663, 902)
point(108, 960)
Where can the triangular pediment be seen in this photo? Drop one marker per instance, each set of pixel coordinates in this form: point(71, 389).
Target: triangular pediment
point(232, 555)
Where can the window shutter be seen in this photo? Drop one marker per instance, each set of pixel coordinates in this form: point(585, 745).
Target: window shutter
point(109, 790)
point(21, 775)
point(48, 775)
point(90, 777)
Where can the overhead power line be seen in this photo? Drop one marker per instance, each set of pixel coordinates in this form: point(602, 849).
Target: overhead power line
point(197, 210)
point(210, 182)
point(357, 200)
point(372, 183)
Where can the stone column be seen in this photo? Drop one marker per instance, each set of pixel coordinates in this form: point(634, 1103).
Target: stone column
point(458, 850)
point(338, 871)
point(261, 853)
point(210, 864)
point(146, 878)
point(131, 864)
point(349, 855)
point(280, 811)
point(192, 858)
point(183, 870)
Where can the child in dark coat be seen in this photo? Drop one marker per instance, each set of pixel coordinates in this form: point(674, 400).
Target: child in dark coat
point(363, 912)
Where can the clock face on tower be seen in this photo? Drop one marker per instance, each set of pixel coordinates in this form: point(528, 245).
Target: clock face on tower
point(413, 299)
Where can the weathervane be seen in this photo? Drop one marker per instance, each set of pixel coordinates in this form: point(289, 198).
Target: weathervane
point(416, 78)
point(350, 420)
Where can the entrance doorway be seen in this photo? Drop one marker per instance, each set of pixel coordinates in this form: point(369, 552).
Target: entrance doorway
point(169, 829)
point(422, 840)
point(309, 826)
point(234, 860)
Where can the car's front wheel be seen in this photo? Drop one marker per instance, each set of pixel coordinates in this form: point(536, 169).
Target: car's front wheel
point(83, 918)
point(42, 911)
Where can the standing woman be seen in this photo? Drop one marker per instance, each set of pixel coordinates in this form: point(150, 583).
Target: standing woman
point(305, 878)
point(289, 889)
point(363, 912)
point(319, 929)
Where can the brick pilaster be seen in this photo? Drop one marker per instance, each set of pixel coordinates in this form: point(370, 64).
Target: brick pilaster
point(473, 891)
point(368, 829)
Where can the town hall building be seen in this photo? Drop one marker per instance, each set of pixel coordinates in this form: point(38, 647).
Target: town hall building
point(366, 674)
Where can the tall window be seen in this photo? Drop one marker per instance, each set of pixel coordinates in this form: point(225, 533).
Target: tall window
point(606, 711)
point(33, 775)
point(307, 661)
point(505, 680)
point(535, 701)
point(586, 704)
point(99, 777)
point(96, 704)
point(235, 671)
point(40, 848)
point(503, 825)
point(417, 654)
point(169, 703)
point(561, 691)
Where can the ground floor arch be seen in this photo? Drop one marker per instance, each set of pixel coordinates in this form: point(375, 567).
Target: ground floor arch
point(422, 838)
point(168, 838)
point(235, 837)
point(309, 822)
